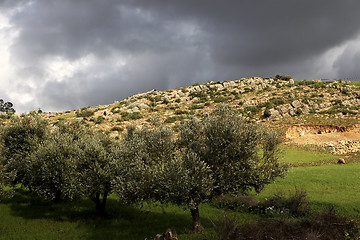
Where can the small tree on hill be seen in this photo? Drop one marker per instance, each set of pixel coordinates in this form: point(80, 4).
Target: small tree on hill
point(6, 107)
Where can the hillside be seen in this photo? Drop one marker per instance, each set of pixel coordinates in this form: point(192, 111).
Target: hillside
point(274, 103)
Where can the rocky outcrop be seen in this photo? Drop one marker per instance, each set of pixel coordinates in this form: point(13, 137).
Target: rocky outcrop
point(344, 147)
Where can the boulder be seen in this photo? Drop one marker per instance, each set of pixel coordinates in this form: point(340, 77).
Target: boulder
point(142, 106)
point(284, 109)
point(296, 104)
point(274, 114)
point(219, 86)
point(341, 161)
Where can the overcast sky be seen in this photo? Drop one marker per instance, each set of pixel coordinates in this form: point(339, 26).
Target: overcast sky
point(67, 54)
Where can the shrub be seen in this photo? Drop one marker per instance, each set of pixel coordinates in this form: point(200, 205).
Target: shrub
point(267, 113)
point(296, 205)
point(179, 112)
point(283, 77)
point(251, 109)
point(170, 119)
point(195, 106)
point(84, 113)
point(325, 225)
point(99, 120)
point(220, 99)
point(117, 128)
point(125, 116)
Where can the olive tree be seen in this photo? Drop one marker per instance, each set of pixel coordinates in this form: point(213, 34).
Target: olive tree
point(144, 152)
point(225, 152)
point(53, 164)
point(18, 139)
point(96, 167)
point(6, 107)
point(4, 178)
point(188, 181)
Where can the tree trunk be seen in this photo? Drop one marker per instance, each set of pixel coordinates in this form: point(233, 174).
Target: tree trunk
point(57, 196)
point(197, 228)
point(100, 205)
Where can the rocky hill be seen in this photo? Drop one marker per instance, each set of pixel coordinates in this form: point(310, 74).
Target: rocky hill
point(273, 102)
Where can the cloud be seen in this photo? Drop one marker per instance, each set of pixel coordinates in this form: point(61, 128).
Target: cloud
point(63, 54)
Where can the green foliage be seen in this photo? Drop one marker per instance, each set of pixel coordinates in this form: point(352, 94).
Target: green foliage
point(173, 119)
point(144, 152)
point(267, 113)
point(17, 140)
point(296, 204)
point(186, 180)
point(117, 128)
point(196, 106)
point(179, 112)
point(283, 77)
point(220, 99)
point(96, 167)
point(99, 120)
point(125, 116)
point(229, 147)
point(52, 166)
point(84, 113)
point(251, 109)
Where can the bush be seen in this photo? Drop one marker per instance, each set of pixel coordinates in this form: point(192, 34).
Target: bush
point(125, 116)
point(179, 112)
point(283, 77)
point(267, 113)
point(220, 99)
point(117, 128)
point(296, 205)
point(99, 120)
point(325, 225)
point(84, 113)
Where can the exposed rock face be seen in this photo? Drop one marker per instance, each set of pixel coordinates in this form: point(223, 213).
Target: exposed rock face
point(344, 147)
point(300, 130)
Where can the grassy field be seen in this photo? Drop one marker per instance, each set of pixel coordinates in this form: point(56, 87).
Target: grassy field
point(298, 156)
point(27, 217)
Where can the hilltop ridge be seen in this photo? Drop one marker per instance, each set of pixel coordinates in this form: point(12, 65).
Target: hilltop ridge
point(274, 102)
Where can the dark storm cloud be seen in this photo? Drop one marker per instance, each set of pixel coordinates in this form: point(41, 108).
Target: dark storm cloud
point(266, 32)
point(173, 43)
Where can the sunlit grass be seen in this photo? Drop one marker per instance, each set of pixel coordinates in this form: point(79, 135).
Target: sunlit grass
point(298, 156)
point(327, 185)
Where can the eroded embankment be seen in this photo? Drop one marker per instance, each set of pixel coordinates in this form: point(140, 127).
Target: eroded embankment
point(339, 139)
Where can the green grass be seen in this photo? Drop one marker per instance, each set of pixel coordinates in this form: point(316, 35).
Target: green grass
point(28, 217)
point(327, 185)
point(299, 157)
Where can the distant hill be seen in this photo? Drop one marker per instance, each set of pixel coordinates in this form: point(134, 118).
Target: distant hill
point(273, 102)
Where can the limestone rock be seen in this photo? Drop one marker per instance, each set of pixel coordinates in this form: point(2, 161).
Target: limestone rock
point(341, 161)
point(296, 104)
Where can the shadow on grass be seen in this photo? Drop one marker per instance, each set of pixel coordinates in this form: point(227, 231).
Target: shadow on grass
point(77, 219)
